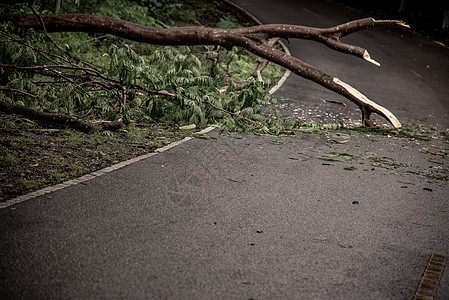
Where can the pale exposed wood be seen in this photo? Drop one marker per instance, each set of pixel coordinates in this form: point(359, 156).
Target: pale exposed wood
point(368, 58)
point(372, 105)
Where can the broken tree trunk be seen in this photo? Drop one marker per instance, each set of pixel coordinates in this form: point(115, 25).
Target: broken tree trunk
point(253, 39)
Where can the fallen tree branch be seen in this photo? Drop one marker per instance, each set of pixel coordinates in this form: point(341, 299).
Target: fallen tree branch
point(251, 38)
point(334, 84)
point(56, 118)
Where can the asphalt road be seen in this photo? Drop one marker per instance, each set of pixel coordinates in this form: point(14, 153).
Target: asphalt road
point(259, 217)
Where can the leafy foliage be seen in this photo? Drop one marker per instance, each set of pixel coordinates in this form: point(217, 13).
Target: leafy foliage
point(228, 22)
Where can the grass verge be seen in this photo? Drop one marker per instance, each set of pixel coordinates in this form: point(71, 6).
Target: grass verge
point(34, 155)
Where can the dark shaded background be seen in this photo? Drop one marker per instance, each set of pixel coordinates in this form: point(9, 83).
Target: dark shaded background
point(428, 17)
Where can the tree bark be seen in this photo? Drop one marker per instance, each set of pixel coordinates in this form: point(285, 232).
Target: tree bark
point(57, 6)
point(251, 38)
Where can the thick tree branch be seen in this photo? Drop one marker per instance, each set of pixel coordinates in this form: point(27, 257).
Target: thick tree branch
point(50, 117)
point(199, 36)
point(309, 72)
point(56, 118)
point(252, 38)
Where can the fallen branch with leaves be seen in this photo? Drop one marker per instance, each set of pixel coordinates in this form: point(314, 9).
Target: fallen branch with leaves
point(259, 40)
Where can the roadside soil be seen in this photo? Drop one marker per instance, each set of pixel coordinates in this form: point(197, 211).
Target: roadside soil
point(34, 155)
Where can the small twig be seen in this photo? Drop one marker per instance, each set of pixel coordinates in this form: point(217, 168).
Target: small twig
point(35, 49)
point(217, 62)
point(228, 66)
point(96, 38)
point(62, 75)
point(49, 82)
point(86, 114)
point(77, 86)
point(88, 71)
point(18, 91)
point(41, 21)
point(124, 95)
point(45, 69)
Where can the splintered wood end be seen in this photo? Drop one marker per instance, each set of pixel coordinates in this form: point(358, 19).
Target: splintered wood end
point(368, 58)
